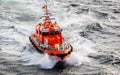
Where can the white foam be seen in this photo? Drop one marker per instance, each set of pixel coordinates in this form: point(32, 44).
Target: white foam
point(80, 53)
point(35, 58)
point(81, 47)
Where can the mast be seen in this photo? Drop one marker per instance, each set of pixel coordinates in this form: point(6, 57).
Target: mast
point(46, 12)
point(45, 9)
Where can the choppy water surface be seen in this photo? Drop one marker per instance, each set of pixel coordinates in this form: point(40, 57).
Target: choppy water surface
point(91, 26)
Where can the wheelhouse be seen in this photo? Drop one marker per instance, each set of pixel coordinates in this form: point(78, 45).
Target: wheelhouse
point(50, 31)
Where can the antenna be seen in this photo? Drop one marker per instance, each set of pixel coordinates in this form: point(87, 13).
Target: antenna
point(47, 17)
point(45, 7)
point(47, 13)
point(45, 2)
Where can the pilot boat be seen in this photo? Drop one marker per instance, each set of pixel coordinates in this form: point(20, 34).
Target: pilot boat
point(48, 38)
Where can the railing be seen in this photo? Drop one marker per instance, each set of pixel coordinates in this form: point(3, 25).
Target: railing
point(62, 47)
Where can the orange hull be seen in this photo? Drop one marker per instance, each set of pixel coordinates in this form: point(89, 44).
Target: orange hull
point(61, 54)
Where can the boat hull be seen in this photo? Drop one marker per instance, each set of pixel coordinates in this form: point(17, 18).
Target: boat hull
point(62, 55)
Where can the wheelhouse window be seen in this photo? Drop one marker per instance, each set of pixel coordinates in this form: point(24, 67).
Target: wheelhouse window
point(45, 33)
point(51, 33)
point(57, 32)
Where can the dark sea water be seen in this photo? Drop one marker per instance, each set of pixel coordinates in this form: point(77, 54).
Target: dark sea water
point(91, 26)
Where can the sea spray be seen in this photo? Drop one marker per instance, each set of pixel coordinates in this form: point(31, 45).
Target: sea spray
point(80, 53)
point(41, 60)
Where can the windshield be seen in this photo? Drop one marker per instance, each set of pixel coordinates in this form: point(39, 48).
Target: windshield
point(57, 32)
point(45, 33)
point(51, 33)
